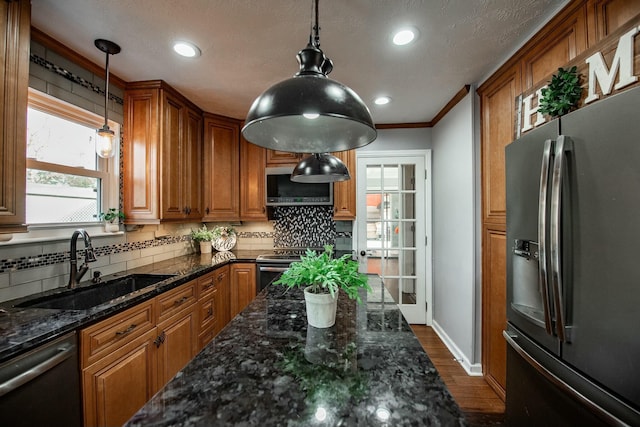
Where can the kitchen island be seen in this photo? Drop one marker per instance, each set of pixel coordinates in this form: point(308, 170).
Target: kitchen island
point(268, 367)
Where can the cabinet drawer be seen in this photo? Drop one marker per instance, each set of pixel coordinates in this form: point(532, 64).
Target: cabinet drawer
point(107, 336)
point(175, 300)
point(206, 284)
point(207, 311)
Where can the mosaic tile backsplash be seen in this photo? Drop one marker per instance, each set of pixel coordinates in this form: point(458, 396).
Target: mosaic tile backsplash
point(303, 226)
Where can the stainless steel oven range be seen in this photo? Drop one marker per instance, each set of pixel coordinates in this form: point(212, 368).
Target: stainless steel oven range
point(271, 266)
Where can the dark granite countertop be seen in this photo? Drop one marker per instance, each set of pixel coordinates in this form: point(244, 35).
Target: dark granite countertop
point(269, 368)
point(22, 329)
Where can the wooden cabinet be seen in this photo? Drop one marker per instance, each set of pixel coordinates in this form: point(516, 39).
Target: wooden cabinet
point(252, 182)
point(213, 304)
point(119, 365)
point(14, 70)
point(344, 192)
point(243, 286)
point(161, 155)
point(126, 358)
point(234, 181)
point(281, 158)
point(221, 169)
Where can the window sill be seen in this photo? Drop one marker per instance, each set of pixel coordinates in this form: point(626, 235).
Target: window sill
point(55, 234)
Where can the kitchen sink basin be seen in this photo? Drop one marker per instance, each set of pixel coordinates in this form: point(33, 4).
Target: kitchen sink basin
point(86, 297)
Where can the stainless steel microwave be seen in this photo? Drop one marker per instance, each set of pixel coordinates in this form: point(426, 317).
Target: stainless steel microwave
point(281, 191)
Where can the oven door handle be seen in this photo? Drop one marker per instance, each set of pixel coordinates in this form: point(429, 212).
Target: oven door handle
point(273, 269)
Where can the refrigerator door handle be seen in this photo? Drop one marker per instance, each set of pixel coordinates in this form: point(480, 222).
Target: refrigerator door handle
point(612, 420)
point(563, 144)
point(542, 234)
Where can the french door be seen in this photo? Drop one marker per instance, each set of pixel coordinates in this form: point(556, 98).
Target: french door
point(393, 227)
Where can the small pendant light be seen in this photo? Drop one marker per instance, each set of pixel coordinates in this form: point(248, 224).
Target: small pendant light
point(310, 113)
point(106, 140)
point(320, 168)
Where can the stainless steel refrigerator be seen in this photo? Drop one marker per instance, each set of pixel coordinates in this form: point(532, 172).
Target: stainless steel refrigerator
point(573, 268)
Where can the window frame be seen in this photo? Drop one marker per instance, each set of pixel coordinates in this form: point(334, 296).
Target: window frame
point(108, 170)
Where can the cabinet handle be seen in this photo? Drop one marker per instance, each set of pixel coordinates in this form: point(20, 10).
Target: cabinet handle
point(180, 301)
point(264, 209)
point(207, 286)
point(209, 312)
point(126, 331)
point(220, 277)
point(206, 211)
point(159, 339)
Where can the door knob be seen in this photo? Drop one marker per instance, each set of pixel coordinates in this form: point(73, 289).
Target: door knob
point(363, 253)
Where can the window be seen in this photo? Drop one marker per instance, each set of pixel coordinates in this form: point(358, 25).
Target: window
point(66, 181)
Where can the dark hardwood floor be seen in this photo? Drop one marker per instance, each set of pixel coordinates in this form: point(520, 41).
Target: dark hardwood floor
point(478, 401)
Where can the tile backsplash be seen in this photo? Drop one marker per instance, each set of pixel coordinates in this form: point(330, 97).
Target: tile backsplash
point(32, 265)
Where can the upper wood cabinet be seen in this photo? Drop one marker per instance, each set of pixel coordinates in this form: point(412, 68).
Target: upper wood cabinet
point(606, 16)
point(280, 158)
point(555, 46)
point(14, 53)
point(344, 192)
point(252, 182)
point(221, 169)
point(234, 181)
point(162, 152)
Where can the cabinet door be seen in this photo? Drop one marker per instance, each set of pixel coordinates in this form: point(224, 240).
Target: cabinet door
point(177, 343)
point(243, 286)
point(222, 283)
point(115, 387)
point(252, 182)
point(192, 164)
point(279, 158)
point(141, 153)
point(14, 70)
point(171, 173)
point(344, 192)
point(221, 169)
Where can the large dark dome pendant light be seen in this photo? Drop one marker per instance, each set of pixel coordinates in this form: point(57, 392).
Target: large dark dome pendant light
point(310, 113)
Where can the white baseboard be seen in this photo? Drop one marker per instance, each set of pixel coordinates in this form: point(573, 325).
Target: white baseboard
point(472, 369)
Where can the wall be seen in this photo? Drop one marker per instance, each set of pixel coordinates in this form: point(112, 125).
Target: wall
point(400, 139)
point(454, 232)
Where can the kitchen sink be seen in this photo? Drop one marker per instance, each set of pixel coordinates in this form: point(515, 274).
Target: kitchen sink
point(86, 297)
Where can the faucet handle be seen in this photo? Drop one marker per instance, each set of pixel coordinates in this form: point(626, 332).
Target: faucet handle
point(89, 256)
point(96, 277)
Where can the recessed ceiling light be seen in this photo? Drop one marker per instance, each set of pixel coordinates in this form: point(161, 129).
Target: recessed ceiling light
point(186, 49)
point(405, 36)
point(382, 100)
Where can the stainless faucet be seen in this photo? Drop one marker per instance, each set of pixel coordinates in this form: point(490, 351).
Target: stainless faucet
point(89, 256)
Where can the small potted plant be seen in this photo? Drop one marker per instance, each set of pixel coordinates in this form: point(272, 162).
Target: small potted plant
point(224, 238)
point(204, 237)
point(111, 219)
point(323, 275)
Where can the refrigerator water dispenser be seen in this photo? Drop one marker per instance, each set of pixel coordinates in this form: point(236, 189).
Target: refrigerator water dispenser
point(527, 298)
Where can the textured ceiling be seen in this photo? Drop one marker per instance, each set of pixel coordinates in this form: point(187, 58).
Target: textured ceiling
point(248, 45)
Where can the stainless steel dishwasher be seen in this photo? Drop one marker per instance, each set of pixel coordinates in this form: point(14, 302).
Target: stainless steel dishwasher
point(42, 387)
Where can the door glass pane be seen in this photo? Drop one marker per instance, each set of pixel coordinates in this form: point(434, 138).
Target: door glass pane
point(408, 289)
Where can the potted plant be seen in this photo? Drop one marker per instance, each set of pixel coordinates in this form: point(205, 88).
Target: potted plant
point(562, 94)
point(204, 237)
point(224, 238)
point(323, 276)
point(111, 219)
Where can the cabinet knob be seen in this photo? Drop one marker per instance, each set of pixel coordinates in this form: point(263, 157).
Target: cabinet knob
point(207, 211)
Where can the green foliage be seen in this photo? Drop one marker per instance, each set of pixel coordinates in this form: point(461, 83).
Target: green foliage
point(324, 273)
point(223, 231)
point(562, 94)
point(111, 215)
point(202, 234)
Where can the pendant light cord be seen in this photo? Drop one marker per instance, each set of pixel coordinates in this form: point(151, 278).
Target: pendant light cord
point(316, 27)
point(106, 92)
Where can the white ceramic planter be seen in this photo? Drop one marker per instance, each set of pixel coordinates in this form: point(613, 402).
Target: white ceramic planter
point(321, 309)
point(205, 247)
point(110, 227)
